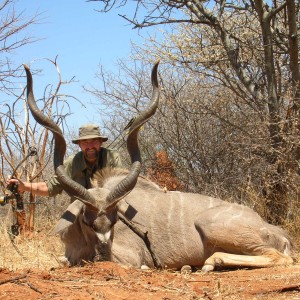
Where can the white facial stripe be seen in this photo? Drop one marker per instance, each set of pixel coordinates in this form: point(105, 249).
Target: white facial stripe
point(104, 238)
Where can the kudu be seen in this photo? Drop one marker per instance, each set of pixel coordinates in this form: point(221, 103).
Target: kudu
point(181, 228)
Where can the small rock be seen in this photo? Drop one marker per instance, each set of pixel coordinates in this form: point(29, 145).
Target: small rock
point(186, 269)
point(144, 267)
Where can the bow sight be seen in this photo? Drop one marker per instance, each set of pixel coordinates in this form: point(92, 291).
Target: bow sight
point(13, 188)
point(17, 203)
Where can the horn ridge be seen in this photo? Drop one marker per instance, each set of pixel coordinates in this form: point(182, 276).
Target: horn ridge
point(128, 183)
point(71, 187)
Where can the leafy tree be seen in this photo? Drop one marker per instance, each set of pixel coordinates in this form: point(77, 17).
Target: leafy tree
point(244, 55)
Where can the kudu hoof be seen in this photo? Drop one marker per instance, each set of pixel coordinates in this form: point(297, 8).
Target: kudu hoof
point(207, 268)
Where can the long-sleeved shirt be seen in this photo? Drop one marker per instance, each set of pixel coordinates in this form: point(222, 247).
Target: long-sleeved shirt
point(77, 168)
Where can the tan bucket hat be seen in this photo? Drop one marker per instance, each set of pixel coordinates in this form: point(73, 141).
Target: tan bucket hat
point(89, 131)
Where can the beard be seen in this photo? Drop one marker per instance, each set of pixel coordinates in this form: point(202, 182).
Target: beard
point(90, 153)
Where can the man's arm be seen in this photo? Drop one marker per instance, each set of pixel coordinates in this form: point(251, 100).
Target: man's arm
point(49, 188)
point(35, 188)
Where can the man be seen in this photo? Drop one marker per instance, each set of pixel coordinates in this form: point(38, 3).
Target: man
point(79, 167)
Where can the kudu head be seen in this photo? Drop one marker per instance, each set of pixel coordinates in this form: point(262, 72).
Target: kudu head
point(98, 206)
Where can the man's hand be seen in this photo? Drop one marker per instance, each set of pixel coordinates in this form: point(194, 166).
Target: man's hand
point(18, 182)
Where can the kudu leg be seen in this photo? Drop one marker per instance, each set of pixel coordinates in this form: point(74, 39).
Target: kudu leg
point(270, 258)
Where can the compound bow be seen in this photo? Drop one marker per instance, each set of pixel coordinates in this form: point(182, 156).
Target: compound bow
point(16, 199)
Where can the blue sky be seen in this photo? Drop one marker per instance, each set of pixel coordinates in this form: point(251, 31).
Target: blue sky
point(82, 38)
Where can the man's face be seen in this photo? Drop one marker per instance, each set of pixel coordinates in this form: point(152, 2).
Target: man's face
point(90, 148)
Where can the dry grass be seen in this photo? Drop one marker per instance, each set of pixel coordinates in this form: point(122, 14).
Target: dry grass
point(36, 250)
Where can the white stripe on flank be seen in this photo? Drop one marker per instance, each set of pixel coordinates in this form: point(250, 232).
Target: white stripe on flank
point(183, 220)
point(168, 223)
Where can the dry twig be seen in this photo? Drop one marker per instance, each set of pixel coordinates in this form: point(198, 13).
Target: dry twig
point(13, 279)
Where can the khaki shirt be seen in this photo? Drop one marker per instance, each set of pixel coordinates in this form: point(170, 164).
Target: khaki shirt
point(80, 172)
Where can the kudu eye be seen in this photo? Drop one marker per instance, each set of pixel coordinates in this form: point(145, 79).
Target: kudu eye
point(86, 222)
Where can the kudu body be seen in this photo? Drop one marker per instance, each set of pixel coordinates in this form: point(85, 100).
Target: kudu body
point(196, 230)
point(183, 228)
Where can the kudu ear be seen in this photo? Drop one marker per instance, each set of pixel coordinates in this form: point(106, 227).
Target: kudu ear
point(68, 217)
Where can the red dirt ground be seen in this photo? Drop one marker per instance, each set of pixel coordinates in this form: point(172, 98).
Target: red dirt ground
point(107, 280)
